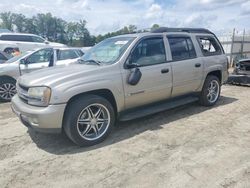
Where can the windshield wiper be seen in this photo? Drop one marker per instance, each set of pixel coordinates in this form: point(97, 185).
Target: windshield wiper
point(91, 61)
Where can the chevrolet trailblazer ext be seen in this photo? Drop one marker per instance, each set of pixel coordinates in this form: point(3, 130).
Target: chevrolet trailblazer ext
point(123, 78)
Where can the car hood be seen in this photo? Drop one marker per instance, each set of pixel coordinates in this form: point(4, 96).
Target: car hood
point(7, 66)
point(58, 75)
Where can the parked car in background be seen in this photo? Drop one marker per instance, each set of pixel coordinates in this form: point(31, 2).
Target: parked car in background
point(242, 67)
point(241, 73)
point(30, 61)
point(4, 57)
point(25, 42)
point(123, 78)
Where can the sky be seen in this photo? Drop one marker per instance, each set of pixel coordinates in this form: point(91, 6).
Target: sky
point(104, 16)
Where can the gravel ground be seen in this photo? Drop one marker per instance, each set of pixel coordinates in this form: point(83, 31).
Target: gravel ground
point(191, 146)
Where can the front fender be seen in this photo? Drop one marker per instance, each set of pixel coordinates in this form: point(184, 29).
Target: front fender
point(60, 96)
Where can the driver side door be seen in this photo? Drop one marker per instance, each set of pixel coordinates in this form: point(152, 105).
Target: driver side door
point(156, 82)
point(38, 60)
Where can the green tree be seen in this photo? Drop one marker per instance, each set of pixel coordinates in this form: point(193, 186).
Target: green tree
point(19, 22)
point(155, 26)
point(7, 20)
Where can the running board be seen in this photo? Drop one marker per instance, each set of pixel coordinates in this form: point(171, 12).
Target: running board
point(155, 108)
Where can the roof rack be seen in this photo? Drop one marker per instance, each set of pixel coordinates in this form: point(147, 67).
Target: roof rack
point(187, 30)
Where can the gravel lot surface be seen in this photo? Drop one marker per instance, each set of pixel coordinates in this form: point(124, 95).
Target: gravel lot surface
point(191, 146)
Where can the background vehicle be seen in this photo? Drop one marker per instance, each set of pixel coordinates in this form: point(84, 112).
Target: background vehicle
point(242, 67)
point(241, 73)
point(123, 77)
point(4, 57)
point(24, 42)
point(30, 61)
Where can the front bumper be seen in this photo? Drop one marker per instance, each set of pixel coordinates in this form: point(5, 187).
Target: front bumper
point(42, 119)
point(239, 79)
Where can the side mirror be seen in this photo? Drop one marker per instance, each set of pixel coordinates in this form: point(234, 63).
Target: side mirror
point(132, 65)
point(46, 42)
point(135, 76)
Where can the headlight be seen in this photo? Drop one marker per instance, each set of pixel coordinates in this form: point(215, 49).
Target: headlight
point(39, 96)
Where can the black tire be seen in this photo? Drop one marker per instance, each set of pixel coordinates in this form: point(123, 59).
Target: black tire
point(7, 89)
point(77, 108)
point(204, 99)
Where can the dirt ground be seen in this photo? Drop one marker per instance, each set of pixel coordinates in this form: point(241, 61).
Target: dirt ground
point(191, 146)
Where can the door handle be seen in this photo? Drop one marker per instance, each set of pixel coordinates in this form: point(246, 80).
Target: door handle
point(197, 65)
point(163, 71)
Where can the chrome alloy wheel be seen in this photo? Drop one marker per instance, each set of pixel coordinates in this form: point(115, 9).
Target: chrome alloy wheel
point(213, 91)
point(93, 122)
point(7, 91)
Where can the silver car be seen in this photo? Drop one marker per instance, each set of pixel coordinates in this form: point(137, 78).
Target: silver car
point(31, 61)
point(123, 78)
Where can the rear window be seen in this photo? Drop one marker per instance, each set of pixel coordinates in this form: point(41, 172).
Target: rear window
point(67, 54)
point(209, 46)
point(181, 48)
point(2, 57)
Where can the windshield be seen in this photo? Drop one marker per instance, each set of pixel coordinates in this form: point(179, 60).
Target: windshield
point(14, 59)
point(108, 51)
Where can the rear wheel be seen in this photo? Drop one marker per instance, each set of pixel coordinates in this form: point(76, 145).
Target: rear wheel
point(7, 89)
point(89, 120)
point(211, 91)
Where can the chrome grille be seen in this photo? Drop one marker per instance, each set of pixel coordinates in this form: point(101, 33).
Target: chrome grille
point(22, 92)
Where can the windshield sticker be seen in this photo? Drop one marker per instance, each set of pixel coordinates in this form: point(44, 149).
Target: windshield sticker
point(121, 42)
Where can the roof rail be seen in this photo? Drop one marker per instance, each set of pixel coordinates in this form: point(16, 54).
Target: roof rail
point(187, 30)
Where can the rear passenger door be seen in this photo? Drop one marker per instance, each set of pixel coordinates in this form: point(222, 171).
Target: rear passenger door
point(187, 68)
point(156, 81)
point(65, 57)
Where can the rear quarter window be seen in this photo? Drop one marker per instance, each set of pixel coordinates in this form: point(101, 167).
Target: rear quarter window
point(209, 45)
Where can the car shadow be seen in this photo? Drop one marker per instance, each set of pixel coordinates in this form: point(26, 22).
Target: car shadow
point(61, 145)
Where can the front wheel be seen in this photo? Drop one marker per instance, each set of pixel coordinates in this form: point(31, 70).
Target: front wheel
point(7, 89)
point(211, 91)
point(89, 120)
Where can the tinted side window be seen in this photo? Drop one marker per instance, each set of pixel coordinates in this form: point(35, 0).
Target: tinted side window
point(37, 39)
point(209, 46)
point(8, 38)
point(67, 54)
point(181, 48)
point(149, 52)
point(21, 38)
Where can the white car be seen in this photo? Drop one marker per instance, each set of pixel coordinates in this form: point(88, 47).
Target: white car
point(25, 42)
point(30, 61)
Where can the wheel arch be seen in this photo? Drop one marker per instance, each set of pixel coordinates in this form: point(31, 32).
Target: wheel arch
point(216, 73)
point(105, 93)
point(7, 77)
